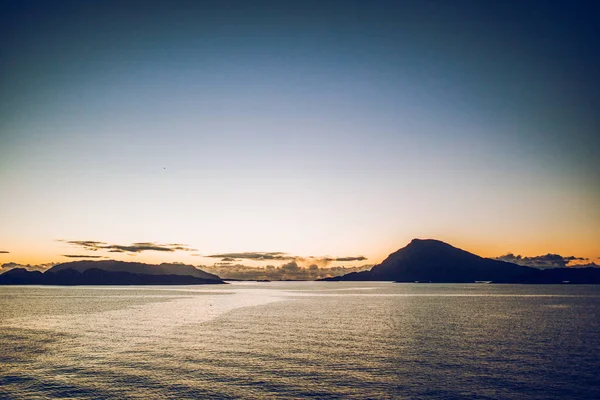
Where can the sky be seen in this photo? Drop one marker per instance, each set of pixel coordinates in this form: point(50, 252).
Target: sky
point(192, 130)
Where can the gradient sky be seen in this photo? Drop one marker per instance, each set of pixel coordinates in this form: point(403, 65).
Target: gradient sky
point(311, 128)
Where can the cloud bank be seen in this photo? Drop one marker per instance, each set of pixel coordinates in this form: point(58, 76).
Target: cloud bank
point(545, 261)
point(288, 271)
point(81, 256)
point(281, 256)
point(257, 256)
point(345, 259)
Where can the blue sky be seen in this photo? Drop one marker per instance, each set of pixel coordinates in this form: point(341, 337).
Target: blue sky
point(313, 128)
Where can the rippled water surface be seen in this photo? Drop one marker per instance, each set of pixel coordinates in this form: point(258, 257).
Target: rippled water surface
point(300, 339)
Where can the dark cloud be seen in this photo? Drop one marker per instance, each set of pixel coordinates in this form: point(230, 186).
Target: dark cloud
point(281, 256)
point(138, 247)
point(288, 271)
point(545, 261)
point(81, 256)
point(290, 267)
point(4, 252)
point(346, 259)
point(86, 244)
point(258, 256)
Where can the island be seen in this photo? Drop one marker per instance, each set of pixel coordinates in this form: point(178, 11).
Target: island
point(111, 272)
point(430, 260)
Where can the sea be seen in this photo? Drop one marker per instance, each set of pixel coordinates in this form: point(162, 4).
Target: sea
point(293, 340)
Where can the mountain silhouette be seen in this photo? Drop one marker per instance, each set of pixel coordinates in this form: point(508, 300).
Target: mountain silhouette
point(135, 268)
point(110, 273)
point(428, 260)
point(20, 276)
point(422, 260)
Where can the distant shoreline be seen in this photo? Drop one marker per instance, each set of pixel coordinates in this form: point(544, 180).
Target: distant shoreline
point(98, 277)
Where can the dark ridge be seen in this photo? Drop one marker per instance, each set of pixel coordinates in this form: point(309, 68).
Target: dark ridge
point(110, 272)
point(135, 268)
point(95, 276)
point(588, 275)
point(428, 260)
point(20, 276)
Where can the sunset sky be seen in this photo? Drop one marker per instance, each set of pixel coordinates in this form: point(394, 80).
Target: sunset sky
point(179, 130)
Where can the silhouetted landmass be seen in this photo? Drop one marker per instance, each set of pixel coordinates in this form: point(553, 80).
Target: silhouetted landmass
point(588, 275)
point(110, 273)
point(20, 276)
point(435, 261)
point(135, 268)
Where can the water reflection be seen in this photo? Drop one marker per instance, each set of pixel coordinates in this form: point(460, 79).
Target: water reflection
point(300, 339)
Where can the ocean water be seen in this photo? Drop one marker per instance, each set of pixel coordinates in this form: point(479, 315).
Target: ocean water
point(328, 340)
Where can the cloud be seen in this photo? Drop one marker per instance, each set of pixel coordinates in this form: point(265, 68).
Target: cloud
point(86, 244)
point(4, 252)
point(81, 256)
point(345, 259)
point(258, 256)
point(287, 271)
point(545, 261)
point(290, 267)
point(138, 247)
point(281, 256)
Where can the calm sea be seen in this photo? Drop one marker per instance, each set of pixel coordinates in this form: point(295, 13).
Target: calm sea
point(301, 340)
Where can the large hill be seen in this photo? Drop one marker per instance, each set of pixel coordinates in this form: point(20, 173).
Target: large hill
point(135, 268)
point(111, 272)
point(428, 260)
